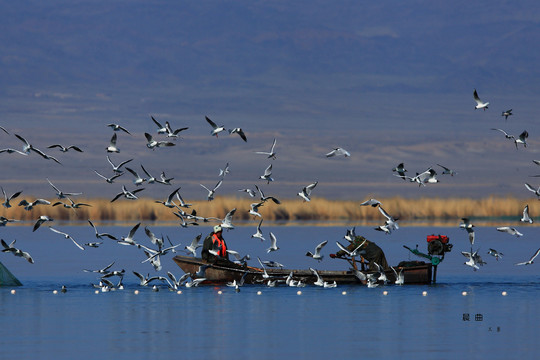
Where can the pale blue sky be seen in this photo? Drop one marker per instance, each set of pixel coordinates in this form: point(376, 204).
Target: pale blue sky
point(390, 82)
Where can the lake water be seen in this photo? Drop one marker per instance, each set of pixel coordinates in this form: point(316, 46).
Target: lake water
point(345, 322)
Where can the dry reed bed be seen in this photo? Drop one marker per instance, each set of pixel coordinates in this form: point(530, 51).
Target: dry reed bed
point(318, 209)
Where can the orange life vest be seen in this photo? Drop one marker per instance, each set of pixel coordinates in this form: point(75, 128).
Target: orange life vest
point(219, 242)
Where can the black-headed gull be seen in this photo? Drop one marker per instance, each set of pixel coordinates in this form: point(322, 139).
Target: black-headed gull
point(317, 255)
point(116, 168)
point(495, 254)
point(267, 174)
point(17, 252)
point(66, 236)
point(41, 220)
point(258, 234)
point(531, 260)
point(212, 192)
point(526, 217)
point(306, 191)
point(273, 243)
point(112, 145)
point(271, 153)
point(117, 127)
point(479, 103)
point(338, 152)
point(153, 144)
point(215, 128)
point(507, 113)
point(535, 191)
point(509, 230)
point(192, 248)
point(101, 235)
point(7, 199)
point(240, 132)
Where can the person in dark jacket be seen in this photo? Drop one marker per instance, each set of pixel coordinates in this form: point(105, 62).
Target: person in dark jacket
point(214, 246)
point(369, 251)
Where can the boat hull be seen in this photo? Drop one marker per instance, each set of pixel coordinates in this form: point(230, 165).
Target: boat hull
point(414, 273)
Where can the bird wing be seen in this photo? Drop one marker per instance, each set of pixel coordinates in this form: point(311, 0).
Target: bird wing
point(212, 124)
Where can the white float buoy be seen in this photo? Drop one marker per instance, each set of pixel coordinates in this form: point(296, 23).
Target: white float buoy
point(343, 293)
point(385, 292)
point(13, 292)
point(259, 292)
point(464, 293)
point(136, 292)
point(220, 292)
point(424, 293)
point(504, 293)
point(298, 292)
point(179, 292)
point(55, 292)
point(96, 292)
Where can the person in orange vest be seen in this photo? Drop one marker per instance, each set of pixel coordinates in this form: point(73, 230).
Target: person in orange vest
point(215, 242)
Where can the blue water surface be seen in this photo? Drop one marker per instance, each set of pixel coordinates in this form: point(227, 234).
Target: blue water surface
point(387, 322)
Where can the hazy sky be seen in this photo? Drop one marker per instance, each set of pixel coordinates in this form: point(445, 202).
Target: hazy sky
point(390, 82)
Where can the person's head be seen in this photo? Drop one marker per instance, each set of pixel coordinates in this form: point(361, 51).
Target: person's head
point(217, 229)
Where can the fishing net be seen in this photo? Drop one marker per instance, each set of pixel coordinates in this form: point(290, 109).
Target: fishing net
point(7, 278)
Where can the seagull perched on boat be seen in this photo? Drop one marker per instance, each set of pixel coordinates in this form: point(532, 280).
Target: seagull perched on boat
point(258, 234)
point(66, 236)
point(317, 255)
point(535, 191)
point(509, 230)
point(215, 129)
point(507, 113)
point(240, 132)
point(338, 152)
point(112, 145)
point(7, 199)
point(271, 153)
point(400, 169)
point(192, 248)
point(526, 217)
point(17, 252)
point(65, 148)
point(531, 260)
point(495, 254)
point(267, 174)
point(153, 144)
point(371, 202)
point(211, 193)
point(273, 243)
point(130, 195)
point(306, 191)
point(447, 171)
point(479, 103)
point(117, 127)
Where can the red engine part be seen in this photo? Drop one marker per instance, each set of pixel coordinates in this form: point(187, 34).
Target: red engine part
point(442, 238)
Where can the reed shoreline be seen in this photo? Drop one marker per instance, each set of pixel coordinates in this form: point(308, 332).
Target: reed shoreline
point(290, 211)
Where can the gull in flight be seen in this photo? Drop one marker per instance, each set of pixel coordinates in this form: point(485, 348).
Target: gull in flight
point(4, 220)
point(192, 248)
point(65, 148)
point(353, 253)
point(400, 278)
point(473, 259)
point(495, 253)
point(526, 217)
point(400, 169)
point(112, 145)
point(254, 209)
point(17, 252)
point(479, 103)
point(117, 127)
point(506, 135)
point(29, 206)
point(60, 194)
point(11, 151)
point(273, 264)
point(7, 199)
point(161, 129)
point(265, 198)
point(173, 133)
point(181, 200)
point(215, 129)
point(164, 179)
point(128, 240)
point(535, 191)
point(267, 174)
point(273, 243)
point(265, 274)
point(73, 205)
point(319, 281)
point(226, 223)
point(153, 144)
point(103, 271)
point(317, 255)
point(66, 236)
point(531, 260)
point(177, 283)
point(138, 180)
point(338, 152)
point(468, 226)
point(116, 168)
point(522, 139)
point(153, 238)
point(101, 235)
point(240, 260)
point(507, 113)
point(225, 171)
point(240, 132)
point(29, 147)
point(130, 195)
point(212, 192)
point(248, 191)
point(371, 202)
point(447, 171)
point(169, 201)
point(40, 221)
point(111, 179)
point(306, 191)
point(271, 153)
point(258, 234)
point(390, 221)
point(509, 230)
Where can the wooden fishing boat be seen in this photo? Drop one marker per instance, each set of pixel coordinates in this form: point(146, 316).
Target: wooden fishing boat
point(415, 272)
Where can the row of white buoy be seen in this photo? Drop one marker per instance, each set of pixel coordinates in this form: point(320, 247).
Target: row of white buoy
point(179, 292)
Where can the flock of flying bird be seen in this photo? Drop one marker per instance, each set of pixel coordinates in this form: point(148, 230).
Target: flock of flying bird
point(175, 202)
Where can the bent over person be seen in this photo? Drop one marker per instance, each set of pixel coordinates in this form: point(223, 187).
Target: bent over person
point(215, 244)
point(369, 251)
